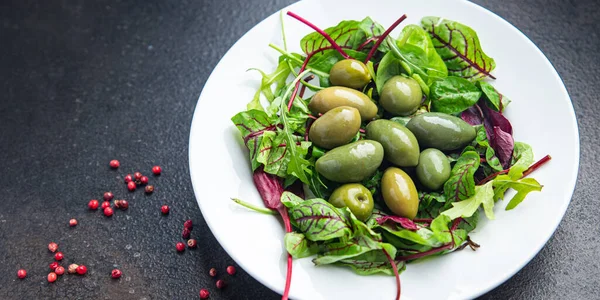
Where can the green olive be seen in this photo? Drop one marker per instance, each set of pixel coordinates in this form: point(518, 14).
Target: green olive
point(356, 197)
point(332, 97)
point(441, 131)
point(349, 73)
point(335, 128)
point(401, 95)
point(433, 169)
point(399, 193)
point(351, 163)
point(400, 146)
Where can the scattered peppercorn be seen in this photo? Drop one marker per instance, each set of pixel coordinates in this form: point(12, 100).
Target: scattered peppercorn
point(108, 211)
point(149, 189)
point(212, 272)
point(108, 196)
point(231, 270)
point(21, 273)
point(137, 175)
point(53, 247)
point(164, 209)
point(221, 284)
point(105, 204)
point(188, 224)
point(73, 268)
point(73, 222)
point(81, 270)
point(131, 186)
point(180, 247)
point(156, 170)
point(53, 265)
point(123, 204)
point(116, 273)
point(144, 180)
point(114, 164)
point(128, 178)
point(93, 204)
point(51, 277)
point(59, 256)
point(204, 294)
point(186, 233)
point(59, 270)
point(192, 243)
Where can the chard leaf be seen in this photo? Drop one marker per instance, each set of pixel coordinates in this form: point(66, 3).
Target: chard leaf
point(459, 47)
point(521, 159)
point(274, 155)
point(418, 52)
point(461, 184)
point(372, 262)
point(278, 77)
point(298, 246)
point(320, 221)
point(496, 100)
point(430, 237)
point(522, 186)
point(484, 195)
point(253, 124)
point(402, 222)
point(482, 144)
point(453, 95)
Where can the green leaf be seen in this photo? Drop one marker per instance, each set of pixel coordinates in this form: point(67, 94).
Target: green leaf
point(389, 66)
point(373, 183)
point(417, 50)
point(495, 100)
point(522, 186)
point(372, 262)
point(484, 195)
point(461, 184)
point(290, 199)
point(253, 124)
point(298, 246)
point(320, 221)
point(453, 95)
point(459, 47)
point(483, 147)
point(278, 77)
point(521, 160)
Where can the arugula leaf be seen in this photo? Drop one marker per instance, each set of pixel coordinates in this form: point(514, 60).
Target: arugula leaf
point(320, 221)
point(435, 236)
point(453, 95)
point(522, 186)
point(418, 51)
point(253, 124)
point(461, 184)
point(374, 182)
point(278, 77)
point(459, 47)
point(298, 246)
point(497, 101)
point(484, 195)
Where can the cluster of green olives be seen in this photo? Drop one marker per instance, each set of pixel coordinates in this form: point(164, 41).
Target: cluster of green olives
point(345, 108)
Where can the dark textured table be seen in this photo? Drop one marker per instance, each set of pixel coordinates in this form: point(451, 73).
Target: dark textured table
point(84, 82)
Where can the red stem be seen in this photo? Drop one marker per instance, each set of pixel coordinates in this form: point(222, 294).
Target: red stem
point(425, 220)
point(365, 43)
point(362, 130)
point(303, 88)
point(323, 33)
point(395, 269)
point(288, 278)
point(383, 37)
point(529, 170)
point(426, 253)
point(298, 83)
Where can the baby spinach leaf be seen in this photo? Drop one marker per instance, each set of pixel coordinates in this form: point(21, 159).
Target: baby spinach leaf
point(461, 184)
point(253, 124)
point(298, 246)
point(459, 47)
point(418, 51)
point(452, 95)
point(522, 186)
point(372, 262)
point(389, 66)
point(320, 221)
point(496, 100)
point(484, 195)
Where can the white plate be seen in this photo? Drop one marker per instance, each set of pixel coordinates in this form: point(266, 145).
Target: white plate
point(541, 114)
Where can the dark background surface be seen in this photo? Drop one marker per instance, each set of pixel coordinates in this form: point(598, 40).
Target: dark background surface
point(84, 82)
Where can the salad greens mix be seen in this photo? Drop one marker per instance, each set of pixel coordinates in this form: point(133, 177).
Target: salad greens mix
point(442, 62)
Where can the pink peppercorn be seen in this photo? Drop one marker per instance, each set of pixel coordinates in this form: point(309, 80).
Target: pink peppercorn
point(131, 186)
point(231, 270)
point(116, 273)
point(180, 247)
point(59, 270)
point(21, 273)
point(93, 204)
point(144, 180)
point(204, 294)
point(156, 170)
point(114, 164)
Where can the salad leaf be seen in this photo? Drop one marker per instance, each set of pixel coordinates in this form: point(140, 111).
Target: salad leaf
point(458, 45)
point(522, 186)
point(253, 124)
point(418, 51)
point(453, 95)
point(389, 66)
point(299, 246)
point(484, 195)
point(522, 155)
point(483, 144)
point(320, 221)
point(461, 184)
point(497, 101)
point(373, 183)
point(278, 77)
point(274, 155)
point(372, 262)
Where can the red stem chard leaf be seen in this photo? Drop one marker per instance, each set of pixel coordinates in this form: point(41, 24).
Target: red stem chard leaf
point(482, 144)
point(299, 246)
point(320, 221)
point(522, 158)
point(483, 195)
point(403, 222)
point(253, 124)
point(461, 184)
point(495, 100)
point(453, 95)
point(372, 262)
point(458, 45)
